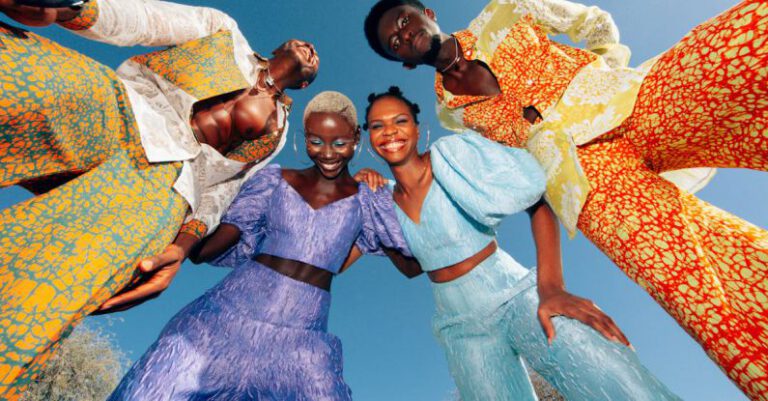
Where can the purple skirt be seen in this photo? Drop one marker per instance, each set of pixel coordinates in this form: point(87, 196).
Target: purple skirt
point(257, 335)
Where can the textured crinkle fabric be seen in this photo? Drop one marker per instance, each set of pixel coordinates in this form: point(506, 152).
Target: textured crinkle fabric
point(484, 181)
point(486, 320)
point(259, 335)
point(487, 324)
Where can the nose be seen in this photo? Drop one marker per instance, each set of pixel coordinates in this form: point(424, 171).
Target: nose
point(389, 129)
point(326, 152)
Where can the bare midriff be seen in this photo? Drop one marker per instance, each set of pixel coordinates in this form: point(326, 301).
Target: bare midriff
point(454, 271)
point(300, 271)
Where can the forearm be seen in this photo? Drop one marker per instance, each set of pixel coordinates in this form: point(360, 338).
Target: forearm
point(225, 236)
point(546, 235)
point(408, 266)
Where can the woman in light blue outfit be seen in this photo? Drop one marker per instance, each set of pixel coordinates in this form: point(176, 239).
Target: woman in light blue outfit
point(449, 202)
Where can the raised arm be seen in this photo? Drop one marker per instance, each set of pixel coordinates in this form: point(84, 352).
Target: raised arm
point(592, 25)
point(146, 22)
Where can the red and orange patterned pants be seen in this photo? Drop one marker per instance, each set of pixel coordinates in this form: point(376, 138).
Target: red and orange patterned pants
point(704, 104)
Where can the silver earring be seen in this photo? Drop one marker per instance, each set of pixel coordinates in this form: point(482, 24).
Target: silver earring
point(426, 148)
point(358, 152)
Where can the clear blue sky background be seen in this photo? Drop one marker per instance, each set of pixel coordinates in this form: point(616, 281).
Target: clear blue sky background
point(384, 319)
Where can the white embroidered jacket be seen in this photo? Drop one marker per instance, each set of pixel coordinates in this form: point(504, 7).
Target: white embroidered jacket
point(208, 181)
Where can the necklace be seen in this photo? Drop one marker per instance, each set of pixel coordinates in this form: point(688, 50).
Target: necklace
point(271, 82)
point(455, 58)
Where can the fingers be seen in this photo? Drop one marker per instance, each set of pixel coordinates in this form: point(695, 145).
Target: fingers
point(545, 319)
point(32, 16)
point(130, 298)
point(172, 254)
point(589, 314)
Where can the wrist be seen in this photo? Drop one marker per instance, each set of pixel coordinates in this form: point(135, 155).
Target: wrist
point(185, 242)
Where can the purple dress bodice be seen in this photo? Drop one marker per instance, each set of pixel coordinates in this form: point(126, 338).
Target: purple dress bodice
point(274, 219)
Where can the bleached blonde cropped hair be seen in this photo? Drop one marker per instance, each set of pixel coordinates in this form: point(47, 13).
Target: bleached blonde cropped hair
point(332, 102)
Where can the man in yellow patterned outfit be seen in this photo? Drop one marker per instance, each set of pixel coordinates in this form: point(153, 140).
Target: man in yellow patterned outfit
point(122, 162)
point(614, 141)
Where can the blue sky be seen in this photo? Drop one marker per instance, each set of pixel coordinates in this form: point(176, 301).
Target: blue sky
point(384, 319)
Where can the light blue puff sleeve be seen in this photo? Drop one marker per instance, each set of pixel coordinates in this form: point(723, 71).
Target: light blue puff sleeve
point(380, 226)
point(247, 212)
point(486, 179)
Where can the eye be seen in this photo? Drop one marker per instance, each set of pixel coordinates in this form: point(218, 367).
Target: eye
point(375, 126)
point(315, 141)
point(404, 21)
point(340, 144)
point(401, 120)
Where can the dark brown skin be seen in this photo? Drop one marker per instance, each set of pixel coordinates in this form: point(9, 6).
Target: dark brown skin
point(395, 138)
point(402, 33)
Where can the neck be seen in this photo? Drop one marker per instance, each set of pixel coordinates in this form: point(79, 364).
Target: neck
point(449, 58)
point(410, 174)
point(280, 74)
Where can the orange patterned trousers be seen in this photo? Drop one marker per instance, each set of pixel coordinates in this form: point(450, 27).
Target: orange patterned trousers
point(704, 104)
point(67, 133)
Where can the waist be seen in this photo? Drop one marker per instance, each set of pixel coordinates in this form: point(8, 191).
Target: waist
point(299, 271)
point(452, 272)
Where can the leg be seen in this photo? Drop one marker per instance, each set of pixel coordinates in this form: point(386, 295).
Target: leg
point(581, 364)
point(705, 101)
point(169, 371)
point(483, 365)
point(61, 113)
point(649, 228)
point(52, 273)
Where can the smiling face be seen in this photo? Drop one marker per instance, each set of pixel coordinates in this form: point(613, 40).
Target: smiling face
point(303, 58)
point(330, 141)
point(393, 130)
point(410, 35)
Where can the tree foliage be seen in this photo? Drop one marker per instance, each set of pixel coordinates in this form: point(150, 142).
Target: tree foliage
point(87, 367)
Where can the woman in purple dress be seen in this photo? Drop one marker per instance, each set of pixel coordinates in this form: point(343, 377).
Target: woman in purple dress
point(261, 333)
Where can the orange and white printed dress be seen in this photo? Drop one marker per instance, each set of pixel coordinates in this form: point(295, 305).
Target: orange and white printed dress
point(116, 169)
point(613, 140)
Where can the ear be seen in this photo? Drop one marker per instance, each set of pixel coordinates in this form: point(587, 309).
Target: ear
point(357, 135)
point(430, 14)
point(409, 66)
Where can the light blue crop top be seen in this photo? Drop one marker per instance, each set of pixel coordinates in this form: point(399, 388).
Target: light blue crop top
point(477, 182)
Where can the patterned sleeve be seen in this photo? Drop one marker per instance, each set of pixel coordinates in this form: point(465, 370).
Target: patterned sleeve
point(247, 212)
point(380, 226)
point(147, 23)
point(579, 22)
point(486, 179)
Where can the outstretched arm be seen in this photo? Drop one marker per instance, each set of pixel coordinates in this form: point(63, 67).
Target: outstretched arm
point(554, 300)
point(147, 23)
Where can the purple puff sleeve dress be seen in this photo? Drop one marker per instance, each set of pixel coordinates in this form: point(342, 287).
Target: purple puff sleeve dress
point(260, 335)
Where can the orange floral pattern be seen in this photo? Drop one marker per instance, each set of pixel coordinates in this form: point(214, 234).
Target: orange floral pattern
point(531, 70)
point(703, 104)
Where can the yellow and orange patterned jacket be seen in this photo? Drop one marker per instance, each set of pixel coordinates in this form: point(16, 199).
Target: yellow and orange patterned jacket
point(205, 55)
point(581, 94)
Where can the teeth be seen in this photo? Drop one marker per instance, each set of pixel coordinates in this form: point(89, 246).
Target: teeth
point(330, 166)
point(393, 145)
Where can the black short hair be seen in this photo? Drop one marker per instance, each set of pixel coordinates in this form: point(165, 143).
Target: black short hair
point(396, 93)
point(371, 25)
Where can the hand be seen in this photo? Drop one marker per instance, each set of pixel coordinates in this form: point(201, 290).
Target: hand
point(158, 271)
point(563, 303)
point(35, 16)
point(371, 177)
